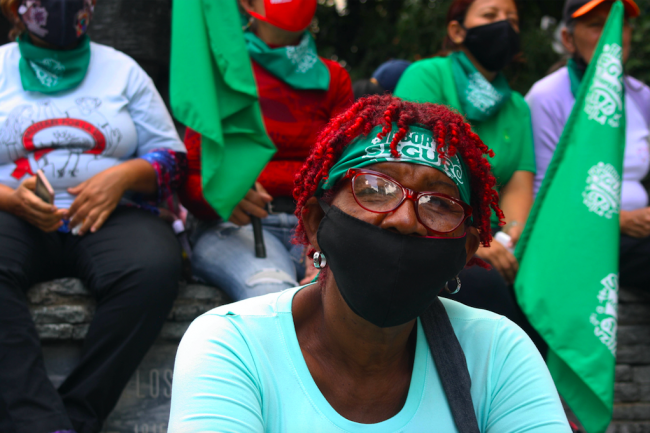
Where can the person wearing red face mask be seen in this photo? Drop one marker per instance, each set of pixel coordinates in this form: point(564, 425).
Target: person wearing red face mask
point(551, 101)
point(299, 92)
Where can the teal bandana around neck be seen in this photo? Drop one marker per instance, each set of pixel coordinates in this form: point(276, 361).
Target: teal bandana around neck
point(479, 98)
point(575, 75)
point(50, 71)
point(417, 147)
point(299, 66)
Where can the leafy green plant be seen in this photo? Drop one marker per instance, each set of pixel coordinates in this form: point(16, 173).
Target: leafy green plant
point(639, 63)
point(368, 32)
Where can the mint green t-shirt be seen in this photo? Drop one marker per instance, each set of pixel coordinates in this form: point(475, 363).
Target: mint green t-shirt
point(239, 369)
point(508, 133)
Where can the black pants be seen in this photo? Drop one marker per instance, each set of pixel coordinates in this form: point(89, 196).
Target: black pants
point(634, 263)
point(132, 266)
point(487, 290)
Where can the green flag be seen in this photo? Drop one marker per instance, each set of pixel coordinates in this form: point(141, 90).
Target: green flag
point(213, 91)
point(568, 277)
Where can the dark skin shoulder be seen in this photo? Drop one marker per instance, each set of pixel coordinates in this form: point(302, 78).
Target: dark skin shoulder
point(364, 371)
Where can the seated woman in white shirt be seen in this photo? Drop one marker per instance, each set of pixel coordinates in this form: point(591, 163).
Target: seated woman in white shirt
point(91, 120)
point(551, 101)
point(395, 198)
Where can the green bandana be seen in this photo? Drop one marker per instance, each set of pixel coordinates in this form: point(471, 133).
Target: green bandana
point(479, 98)
point(575, 75)
point(49, 71)
point(418, 147)
point(299, 66)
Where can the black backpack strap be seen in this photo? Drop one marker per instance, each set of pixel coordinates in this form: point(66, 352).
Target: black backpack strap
point(451, 365)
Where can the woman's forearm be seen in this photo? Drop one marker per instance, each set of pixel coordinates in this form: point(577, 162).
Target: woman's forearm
point(137, 175)
point(6, 198)
point(517, 197)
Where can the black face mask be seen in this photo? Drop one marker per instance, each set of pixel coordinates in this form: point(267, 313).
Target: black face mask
point(58, 22)
point(494, 45)
point(386, 278)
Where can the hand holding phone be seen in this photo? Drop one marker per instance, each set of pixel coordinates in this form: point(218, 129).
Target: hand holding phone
point(43, 188)
point(30, 207)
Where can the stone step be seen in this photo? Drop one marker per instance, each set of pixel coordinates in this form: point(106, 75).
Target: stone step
point(63, 309)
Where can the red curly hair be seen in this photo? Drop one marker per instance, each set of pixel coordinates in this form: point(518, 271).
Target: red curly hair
point(452, 134)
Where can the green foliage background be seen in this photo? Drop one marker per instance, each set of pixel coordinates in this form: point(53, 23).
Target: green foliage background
point(369, 32)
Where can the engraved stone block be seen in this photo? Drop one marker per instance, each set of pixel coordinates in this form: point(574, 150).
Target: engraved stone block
point(632, 411)
point(629, 427)
point(174, 331)
point(632, 295)
point(201, 292)
point(641, 374)
point(79, 331)
point(54, 331)
point(189, 312)
point(623, 373)
point(144, 404)
point(626, 392)
point(638, 354)
point(68, 287)
point(62, 314)
point(633, 314)
point(57, 291)
point(634, 334)
point(644, 393)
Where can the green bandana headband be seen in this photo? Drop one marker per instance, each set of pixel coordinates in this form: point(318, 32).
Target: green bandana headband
point(299, 66)
point(417, 147)
point(49, 71)
point(479, 98)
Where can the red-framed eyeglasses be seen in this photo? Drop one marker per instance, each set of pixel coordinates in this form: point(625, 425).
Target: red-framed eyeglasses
point(379, 193)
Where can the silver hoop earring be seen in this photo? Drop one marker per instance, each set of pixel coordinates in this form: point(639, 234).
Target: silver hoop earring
point(320, 261)
point(456, 290)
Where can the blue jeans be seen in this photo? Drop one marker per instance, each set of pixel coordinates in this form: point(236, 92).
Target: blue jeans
point(224, 256)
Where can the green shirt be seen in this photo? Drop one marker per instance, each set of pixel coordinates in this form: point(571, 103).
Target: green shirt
point(508, 133)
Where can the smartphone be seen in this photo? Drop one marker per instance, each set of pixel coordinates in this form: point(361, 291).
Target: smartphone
point(43, 188)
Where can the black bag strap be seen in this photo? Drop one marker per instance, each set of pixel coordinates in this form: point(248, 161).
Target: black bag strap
point(451, 364)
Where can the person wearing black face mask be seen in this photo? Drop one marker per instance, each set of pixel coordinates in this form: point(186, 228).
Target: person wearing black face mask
point(484, 38)
point(89, 119)
point(551, 100)
point(369, 347)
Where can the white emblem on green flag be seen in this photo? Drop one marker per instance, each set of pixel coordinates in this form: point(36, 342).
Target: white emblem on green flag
point(605, 97)
point(568, 284)
point(603, 192)
point(605, 319)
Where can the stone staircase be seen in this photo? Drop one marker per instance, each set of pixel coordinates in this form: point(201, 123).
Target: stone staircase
point(62, 310)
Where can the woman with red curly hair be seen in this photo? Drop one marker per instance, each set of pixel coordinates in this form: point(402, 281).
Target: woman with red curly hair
point(394, 199)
